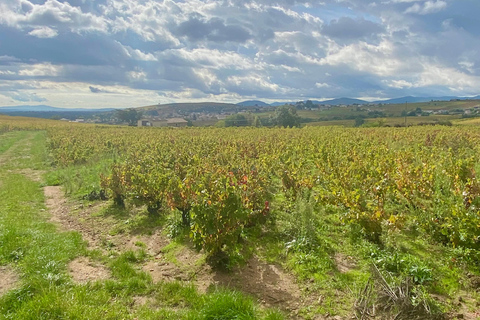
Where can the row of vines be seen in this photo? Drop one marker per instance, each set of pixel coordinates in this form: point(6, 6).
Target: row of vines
point(223, 180)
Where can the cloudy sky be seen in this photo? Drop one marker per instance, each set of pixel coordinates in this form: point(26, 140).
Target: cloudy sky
point(126, 53)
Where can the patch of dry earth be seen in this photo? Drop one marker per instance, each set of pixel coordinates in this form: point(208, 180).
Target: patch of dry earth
point(84, 270)
point(269, 283)
point(153, 244)
point(8, 279)
point(344, 263)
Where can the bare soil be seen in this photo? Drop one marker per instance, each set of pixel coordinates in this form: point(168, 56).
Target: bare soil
point(8, 279)
point(153, 244)
point(84, 270)
point(344, 263)
point(162, 270)
point(466, 313)
point(142, 300)
point(59, 209)
point(269, 283)
point(188, 265)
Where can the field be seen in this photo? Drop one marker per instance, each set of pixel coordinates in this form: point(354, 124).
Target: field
point(238, 223)
point(382, 115)
point(394, 121)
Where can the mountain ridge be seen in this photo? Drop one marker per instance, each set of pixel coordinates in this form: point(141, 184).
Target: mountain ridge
point(246, 103)
point(45, 108)
point(349, 101)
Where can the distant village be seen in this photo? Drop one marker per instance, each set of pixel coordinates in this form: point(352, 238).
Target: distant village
point(181, 118)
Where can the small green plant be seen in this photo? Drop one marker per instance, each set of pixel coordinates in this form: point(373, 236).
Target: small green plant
point(420, 274)
point(222, 304)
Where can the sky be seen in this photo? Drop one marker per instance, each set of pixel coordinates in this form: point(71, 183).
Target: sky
point(125, 53)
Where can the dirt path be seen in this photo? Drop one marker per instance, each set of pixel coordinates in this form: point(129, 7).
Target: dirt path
point(61, 215)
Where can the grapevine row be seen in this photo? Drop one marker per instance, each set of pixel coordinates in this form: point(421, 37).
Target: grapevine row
point(223, 180)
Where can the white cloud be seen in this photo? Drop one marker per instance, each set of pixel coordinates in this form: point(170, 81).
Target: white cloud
point(283, 51)
point(212, 58)
point(322, 85)
point(40, 70)
point(43, 32)
point(23, 96)
point(435, 75)
point(137, 54)
point(398, 84)
point(138, 75)
point(7, 72)
point(427, 8)
point(207, 77)
point(376, 59)
point(10, 59)
point(254, 83)
point(467, 65)
point(50, 13)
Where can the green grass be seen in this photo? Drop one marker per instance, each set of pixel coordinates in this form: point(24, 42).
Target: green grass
point(9, 139)
point(79, 180)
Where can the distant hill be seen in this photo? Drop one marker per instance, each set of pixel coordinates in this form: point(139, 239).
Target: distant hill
point(276, 104)
point(192, 107)
point(332, 102)
point(346, 101)
point(44, 108)
point(27, 108)
point(253, 103)
point(410, 99)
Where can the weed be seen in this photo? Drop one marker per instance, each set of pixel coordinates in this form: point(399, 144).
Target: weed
point(396, 298)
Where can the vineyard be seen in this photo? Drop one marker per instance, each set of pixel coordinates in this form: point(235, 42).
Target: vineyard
point(222, 181)
point(404, 200)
